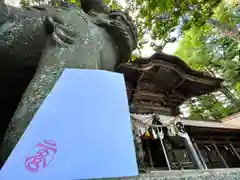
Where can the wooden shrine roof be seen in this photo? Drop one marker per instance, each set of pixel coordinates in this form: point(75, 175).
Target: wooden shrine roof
point(163, 82)
point(209, 124)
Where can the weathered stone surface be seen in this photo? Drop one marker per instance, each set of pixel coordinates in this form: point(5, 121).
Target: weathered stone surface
point(213, 174)
point(48, 40)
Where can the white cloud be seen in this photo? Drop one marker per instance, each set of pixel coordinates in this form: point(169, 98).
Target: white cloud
point(122, 3)
point(15, 3)
point(170, 48)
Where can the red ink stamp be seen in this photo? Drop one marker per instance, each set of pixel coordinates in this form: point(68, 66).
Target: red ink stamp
point(41, 155)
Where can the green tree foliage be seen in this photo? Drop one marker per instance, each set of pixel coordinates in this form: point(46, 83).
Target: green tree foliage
point(113, 4)
point(205, 49)
point(160, 18)
point(25, 3)
point(225, 19)
point(166, 21)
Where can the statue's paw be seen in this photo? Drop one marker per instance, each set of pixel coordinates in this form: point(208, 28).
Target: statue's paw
point(62, 37)
point(61, 33)
point(102, 22)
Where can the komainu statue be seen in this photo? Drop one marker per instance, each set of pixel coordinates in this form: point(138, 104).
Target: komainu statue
point(38, 42)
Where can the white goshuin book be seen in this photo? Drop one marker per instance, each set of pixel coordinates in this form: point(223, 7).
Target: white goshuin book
point(81, 131)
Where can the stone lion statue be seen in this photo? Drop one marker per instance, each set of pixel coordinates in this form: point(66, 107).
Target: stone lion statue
point(39, 42)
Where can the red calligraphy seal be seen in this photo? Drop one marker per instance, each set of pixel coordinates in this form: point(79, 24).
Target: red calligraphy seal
point(41, 155)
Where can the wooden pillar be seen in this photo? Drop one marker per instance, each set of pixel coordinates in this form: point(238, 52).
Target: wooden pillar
point(219, 154)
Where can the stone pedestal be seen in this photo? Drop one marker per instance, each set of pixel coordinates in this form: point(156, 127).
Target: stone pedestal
point(213, 174)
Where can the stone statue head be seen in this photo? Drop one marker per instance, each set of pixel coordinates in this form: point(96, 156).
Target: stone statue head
point(120, 26)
